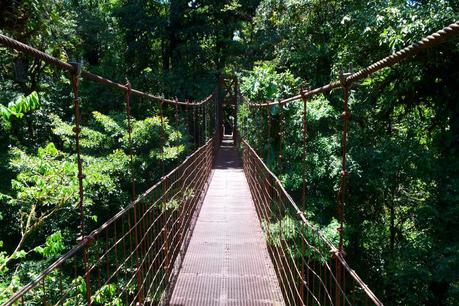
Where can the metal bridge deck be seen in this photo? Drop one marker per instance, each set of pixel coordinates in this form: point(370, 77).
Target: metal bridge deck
point(227, 262)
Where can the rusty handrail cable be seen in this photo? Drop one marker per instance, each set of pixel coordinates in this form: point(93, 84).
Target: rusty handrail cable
point(19, 46)
point(427, 42)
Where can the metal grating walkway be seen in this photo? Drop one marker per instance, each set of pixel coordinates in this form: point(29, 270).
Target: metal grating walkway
point(227, 262)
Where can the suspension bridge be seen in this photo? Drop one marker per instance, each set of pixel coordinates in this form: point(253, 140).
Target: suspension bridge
point(201, 235)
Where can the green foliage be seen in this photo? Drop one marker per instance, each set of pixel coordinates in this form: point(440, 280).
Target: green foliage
point(284, 229)
point(106, 295)
point(178, 199)
point(39, 177)
point(20, 106)
point(264, 83)
point(53, 245)
point(294, 234)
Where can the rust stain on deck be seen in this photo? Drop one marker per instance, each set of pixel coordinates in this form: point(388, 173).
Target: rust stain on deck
point(227, 262)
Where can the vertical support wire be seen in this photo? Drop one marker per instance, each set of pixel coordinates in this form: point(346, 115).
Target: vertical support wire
point(201, 124)
point(198, 128)
point(161, 137)
point(206, 111)
point(282, 211)
point(261, 133)
point(268, 155)
point(194, 127)
point(187, 117)
point(164, 228)
point(305, 135)
point(75, 75)
point(203, 129)
point(177, 120)
point(127, 98)
point(342, 186)
point(236, 110)
point(281, 137)
point(303, 187)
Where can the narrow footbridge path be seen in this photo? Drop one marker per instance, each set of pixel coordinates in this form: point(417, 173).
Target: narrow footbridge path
point(227, 261)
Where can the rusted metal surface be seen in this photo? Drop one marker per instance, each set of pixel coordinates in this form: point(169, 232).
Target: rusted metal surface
point(227, 262)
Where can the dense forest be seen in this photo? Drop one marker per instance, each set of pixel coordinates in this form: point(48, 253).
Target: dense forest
point(402, 202)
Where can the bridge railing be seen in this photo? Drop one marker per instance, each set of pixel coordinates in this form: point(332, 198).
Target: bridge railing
point(310, 269)
point(131, 258)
